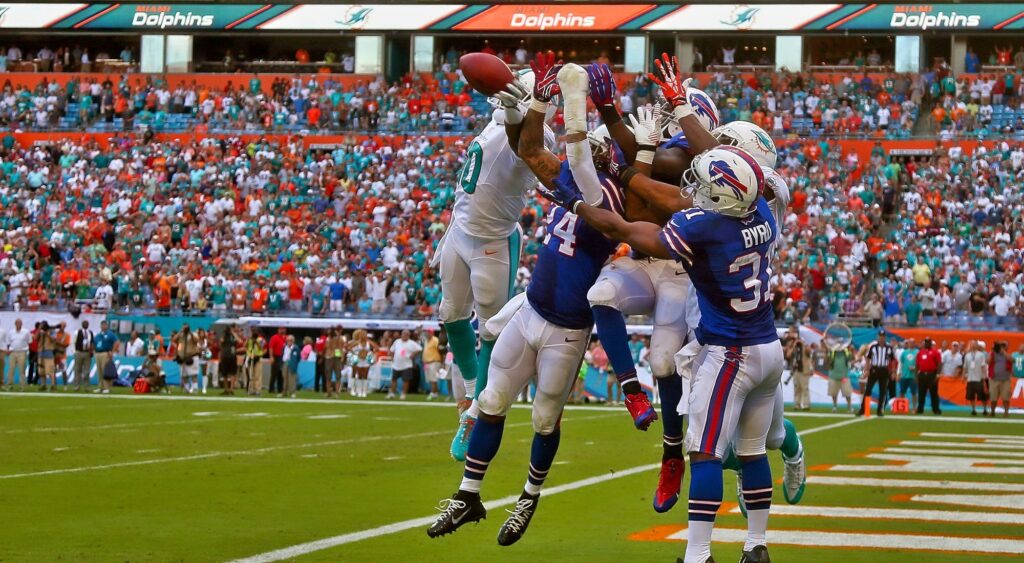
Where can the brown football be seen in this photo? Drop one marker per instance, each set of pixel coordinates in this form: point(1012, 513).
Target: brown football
point(486, 73)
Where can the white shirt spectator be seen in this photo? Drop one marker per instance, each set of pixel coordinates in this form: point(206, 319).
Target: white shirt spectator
point(134, 348)
point(402, 352)
point(17, 340)
point(1001, 305)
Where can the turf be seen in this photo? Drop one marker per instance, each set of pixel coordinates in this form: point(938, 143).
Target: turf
point(130, 479)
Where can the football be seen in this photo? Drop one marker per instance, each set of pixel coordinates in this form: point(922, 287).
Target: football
point(486, 73)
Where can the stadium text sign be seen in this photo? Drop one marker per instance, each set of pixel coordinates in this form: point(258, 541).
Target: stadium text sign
point(925, 17)
point(551, 17)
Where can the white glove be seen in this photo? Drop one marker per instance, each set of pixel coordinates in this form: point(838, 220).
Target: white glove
point(511, 97)
point(647, 131)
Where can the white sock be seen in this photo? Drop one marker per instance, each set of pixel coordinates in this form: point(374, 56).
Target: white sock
point(470, 485)
point(474, 409)
point(698, 541)
point(470, 388)
point(757, 526)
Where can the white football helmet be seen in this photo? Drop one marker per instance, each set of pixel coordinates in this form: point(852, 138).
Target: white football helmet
point(703, 108)
point(600, 149)
point(725, 180)
point(751, 138)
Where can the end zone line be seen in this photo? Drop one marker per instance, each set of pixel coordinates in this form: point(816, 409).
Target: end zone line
point(347, 402)
point(326, 543)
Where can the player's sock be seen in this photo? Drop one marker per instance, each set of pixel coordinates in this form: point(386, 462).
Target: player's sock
point(705, 499)
point(757, 494)
point(486, 346)
point(462, 342)
point(611, 329)
point(791, 444)
point(483, 445)
point(542, 454)
point(671, 389)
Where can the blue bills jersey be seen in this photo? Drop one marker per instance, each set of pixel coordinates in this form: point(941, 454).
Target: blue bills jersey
point(571, 259)
point(729, 262)
point(677, 141)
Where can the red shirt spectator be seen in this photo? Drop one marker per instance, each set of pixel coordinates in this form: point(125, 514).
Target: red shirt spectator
point(277, 343)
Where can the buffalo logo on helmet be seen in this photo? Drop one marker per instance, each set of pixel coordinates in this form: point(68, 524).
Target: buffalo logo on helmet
point(702, 106)
point(723, 175)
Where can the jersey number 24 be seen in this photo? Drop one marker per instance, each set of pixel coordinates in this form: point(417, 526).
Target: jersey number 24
point(564, 230)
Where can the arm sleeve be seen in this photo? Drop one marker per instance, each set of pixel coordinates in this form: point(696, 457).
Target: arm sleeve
point(581, 162)
point(675, 238)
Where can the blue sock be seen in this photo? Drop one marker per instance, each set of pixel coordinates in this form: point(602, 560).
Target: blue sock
point(611, 329)
point(705, 500)
point(757, 494)
point(670, 389)
point(542, 454)
point(483, 446)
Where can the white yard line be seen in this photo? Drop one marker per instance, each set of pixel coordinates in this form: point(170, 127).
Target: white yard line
point(973, 453)
point(964, 444)
point(831, 426)
point(828, 480)
point(259, 451)
point(1002, 437)
point(327, 543)
point(874, 513)
point(217, 417)
point(864, 540)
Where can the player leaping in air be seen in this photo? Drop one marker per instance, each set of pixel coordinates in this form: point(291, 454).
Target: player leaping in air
point(725, 242)
point(479, 254)
point(548, 328)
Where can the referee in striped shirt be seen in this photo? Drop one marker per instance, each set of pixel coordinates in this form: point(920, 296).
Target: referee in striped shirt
point(881, 357)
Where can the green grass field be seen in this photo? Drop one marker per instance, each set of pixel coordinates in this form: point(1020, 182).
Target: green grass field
point(134, 479)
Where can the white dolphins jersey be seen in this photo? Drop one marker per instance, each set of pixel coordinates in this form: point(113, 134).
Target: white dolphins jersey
point(493, 185)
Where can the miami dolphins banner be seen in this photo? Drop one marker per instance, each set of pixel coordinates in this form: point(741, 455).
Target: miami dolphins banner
point(474, 18)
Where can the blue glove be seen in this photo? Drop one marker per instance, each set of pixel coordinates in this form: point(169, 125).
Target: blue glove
point(602, 84)
point(618, 161)
point(566, 196)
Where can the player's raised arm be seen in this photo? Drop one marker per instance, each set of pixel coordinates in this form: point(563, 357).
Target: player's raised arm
point(544, 164)
point(639, 235)
point(662, 199)
point(572, 81)
point(674, 89)
point(602, 93)
point(511, 99)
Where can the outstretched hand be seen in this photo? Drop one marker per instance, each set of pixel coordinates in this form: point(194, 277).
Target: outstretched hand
point(545, 75)
point(602, 84)
point(561, 194)
point(668, 80)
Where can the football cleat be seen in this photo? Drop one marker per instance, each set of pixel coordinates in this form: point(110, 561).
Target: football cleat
point(464, 507)
point(460, 444)
point(739, 493)
point(515, 526)
point(757, 555)
point(795, 477)
point(639, 407)
point(670, 480)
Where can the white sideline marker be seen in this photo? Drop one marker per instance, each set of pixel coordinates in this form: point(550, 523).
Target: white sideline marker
point(830, 480)
point(926, 458)
point(986, 445)
point(987, 501)
point(930, 467)
point(971, 436)
point(861, 540)
point(327, 543)
point(985, 454)
point(874, 513)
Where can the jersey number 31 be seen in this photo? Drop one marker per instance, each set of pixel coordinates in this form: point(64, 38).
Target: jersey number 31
point(752, 283)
